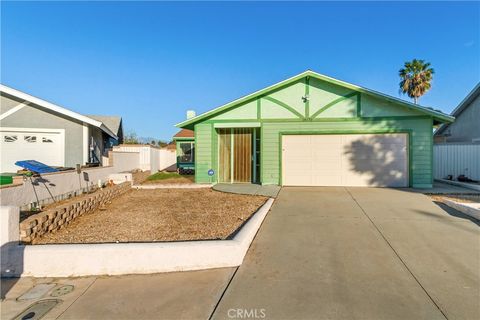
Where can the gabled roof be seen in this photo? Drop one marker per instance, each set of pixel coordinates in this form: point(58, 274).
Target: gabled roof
point(57, 109)
point(438, 115)
point(111, 122)
point(184, 133)
point(462, 106)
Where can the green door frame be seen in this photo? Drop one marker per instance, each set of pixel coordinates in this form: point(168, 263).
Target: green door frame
point(232, 142)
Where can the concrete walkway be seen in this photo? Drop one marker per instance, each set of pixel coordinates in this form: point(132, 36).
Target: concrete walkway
point(359, 253)
point(249, 188)
point(178, 295)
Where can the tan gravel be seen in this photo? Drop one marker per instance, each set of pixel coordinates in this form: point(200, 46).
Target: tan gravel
point(161, 215)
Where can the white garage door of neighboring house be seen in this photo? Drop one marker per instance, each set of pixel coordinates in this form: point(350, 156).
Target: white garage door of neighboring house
point(379, 160)
point(44, 145)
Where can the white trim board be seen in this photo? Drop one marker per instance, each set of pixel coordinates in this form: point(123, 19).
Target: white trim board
point(85, 149)
point(13, 110)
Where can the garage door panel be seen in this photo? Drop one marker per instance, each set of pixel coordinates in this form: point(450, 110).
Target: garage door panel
point(46, 147)
point(327, 180)
point(330, 165)
point(305, 180)
point(345, 160)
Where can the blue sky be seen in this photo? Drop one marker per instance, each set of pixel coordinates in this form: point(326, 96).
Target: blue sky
point(151, 61)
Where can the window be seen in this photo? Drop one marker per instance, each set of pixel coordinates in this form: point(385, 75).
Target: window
point(47, 140)
point(10, 138)
point(30, 139)
point(186, 152)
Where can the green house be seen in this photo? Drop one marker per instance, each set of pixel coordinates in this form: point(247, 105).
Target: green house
point(313, 130)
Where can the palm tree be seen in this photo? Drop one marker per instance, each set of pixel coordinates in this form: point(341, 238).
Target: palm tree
point(416, 78)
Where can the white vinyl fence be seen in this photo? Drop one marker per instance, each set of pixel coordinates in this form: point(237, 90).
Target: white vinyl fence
point(143, 150)
point(151, 158)
point(456, 159)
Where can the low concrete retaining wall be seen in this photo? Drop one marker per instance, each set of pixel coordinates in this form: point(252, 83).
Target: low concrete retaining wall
point(10, 252)
point(135, 258)
point(56, 218)
point(59, 186)
point(471, 209)
point(9, 217)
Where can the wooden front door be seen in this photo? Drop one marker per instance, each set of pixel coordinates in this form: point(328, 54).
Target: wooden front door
point(235, 155)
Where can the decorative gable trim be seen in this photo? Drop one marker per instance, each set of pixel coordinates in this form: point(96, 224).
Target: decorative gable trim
point(437, 115)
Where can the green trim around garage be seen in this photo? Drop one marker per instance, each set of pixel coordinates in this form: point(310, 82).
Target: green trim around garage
point(335, 132)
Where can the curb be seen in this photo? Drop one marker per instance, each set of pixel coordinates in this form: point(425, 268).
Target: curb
point(470, 209)
point(460, 184)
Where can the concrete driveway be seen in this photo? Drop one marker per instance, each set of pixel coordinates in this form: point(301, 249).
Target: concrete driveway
point(358, 253)
point(321, 253)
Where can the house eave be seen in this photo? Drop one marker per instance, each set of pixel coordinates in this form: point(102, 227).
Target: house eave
point(55, 108)
point(438, 116)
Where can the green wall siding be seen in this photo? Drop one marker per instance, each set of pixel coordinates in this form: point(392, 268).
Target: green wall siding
point(344, 110)
point(375, 107)
point(271, 110)
point(321, 93)
point(244, 111)
point(203, 152)
point(421, 147)
point(291, 95)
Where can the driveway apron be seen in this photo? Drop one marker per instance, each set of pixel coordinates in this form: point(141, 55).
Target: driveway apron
point(357, 253)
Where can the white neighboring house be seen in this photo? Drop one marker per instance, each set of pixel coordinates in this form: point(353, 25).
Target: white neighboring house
point(34, 129)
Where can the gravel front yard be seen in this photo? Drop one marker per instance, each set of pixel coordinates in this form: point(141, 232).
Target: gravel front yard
point(161, 215)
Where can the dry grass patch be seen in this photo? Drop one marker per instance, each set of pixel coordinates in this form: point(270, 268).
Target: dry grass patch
point(169, 178)
point(161, 215)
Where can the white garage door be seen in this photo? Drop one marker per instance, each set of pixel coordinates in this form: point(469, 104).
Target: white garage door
point(379, 160)
point(44, 145)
